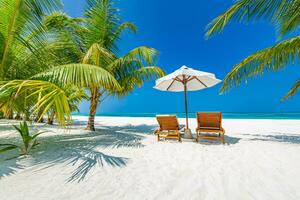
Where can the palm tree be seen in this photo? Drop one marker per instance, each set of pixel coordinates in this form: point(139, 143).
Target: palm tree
point(28, 47)
point(95, 44)
point(21, 37)
point(285, 15)
point(83, 54)
point(104, 29)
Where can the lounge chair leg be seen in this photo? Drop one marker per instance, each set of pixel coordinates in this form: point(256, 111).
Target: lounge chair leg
point(179, 137)
point(158, 139)
point(196, 137)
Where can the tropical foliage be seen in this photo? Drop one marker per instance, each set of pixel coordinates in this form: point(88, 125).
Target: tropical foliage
point(28, 141)
point(22, 42)
point(96, 47)
point(285, 15)
point(49, 59)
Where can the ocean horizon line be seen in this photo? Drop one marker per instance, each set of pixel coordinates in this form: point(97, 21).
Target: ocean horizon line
point(226, 115)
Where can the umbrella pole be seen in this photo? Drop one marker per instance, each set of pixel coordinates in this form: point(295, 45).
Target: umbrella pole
point(186, 106)
point(187, 131)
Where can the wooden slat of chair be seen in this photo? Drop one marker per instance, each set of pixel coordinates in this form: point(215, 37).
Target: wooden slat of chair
point(210, 123)
point(168, 127)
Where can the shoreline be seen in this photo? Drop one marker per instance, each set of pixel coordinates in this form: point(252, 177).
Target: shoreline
point(190, 118)
point(192, 115)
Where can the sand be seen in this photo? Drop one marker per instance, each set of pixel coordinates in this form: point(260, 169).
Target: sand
point(123, 160)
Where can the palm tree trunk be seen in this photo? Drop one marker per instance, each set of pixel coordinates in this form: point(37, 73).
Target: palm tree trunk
point(18, 116)
point(51, 118)
point(93, 108)
point(10, 114)
point(38, 118)
point(26, 115)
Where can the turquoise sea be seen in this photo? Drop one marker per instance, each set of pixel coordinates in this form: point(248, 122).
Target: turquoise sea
point(193, 115)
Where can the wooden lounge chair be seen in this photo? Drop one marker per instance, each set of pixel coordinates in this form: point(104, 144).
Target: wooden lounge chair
point(210, 126)
point(168, 127)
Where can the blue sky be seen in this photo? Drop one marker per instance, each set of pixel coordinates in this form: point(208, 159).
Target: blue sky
point(177, 30)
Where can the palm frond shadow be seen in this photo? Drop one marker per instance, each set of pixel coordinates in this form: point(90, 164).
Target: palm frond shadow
point(277, 137)
point(6, 128)
point(82, 150)
point(9, 166)
point(228, 141)
point(90, 160)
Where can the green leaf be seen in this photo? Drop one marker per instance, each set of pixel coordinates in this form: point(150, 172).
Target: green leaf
point(37, 134)
point(7, 148)
point(284, 14)
point(81, 75)
point(52, 96)
point(270, 59)
point(294, 90)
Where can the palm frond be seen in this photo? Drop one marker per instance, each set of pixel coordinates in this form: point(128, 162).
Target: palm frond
point(75, 96)
point(270, 59)
point(136, 78)
point(122, 27)
point(81, 75)
point(294, 90)
point(103, 21)
point(98, 55)
point(51, 96)
point(142, 53)
point(290, 17)
point(247, 10)
point(18, 18)
point(150, 73)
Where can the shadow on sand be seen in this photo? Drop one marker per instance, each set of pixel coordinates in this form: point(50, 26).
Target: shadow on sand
point(278, 137)
point(228, 141)
point(80, 150)
point(83, 149)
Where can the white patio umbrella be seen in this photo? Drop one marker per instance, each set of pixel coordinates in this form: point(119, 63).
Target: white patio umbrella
point(183, 80)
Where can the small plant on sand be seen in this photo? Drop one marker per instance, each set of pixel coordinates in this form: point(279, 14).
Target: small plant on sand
point(29, 141)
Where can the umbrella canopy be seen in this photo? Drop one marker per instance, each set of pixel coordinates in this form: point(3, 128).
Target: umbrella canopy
point(186, 79)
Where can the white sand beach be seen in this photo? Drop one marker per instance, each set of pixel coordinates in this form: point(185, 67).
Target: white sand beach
point(123, 160)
